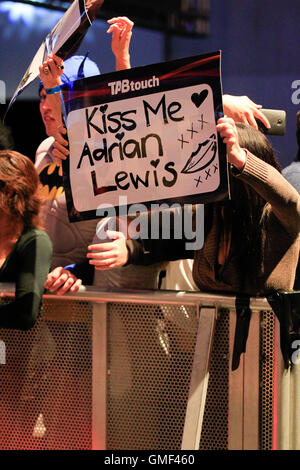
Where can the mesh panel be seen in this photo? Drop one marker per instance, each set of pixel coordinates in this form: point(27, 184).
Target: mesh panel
point(45, 383)
point(46, 380)
point(149, 358)
point(214, 434)
point(266, 379)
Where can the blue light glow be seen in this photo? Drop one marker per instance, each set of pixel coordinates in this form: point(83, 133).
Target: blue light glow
point(20, 19)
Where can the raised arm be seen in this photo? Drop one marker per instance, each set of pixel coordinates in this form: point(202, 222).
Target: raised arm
point(50, 72)
point(242, 109)
point(121, 29)
point(263, 178)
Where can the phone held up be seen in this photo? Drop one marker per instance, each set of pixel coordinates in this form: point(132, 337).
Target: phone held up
point(277, 120)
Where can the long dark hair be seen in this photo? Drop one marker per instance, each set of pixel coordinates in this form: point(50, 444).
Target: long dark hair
point(19, 184)
point(243, 214)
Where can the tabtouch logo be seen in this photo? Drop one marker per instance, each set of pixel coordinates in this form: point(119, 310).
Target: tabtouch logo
point(124, 86)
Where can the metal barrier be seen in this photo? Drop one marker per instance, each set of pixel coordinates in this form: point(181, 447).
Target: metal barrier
point(144, 370)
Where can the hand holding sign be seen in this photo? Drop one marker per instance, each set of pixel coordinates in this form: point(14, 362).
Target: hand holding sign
point(50, 72)
point(63, 40)
point(109, 254)
point(228, 131)
point(61, 151)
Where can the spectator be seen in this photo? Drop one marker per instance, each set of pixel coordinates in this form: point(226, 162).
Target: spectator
point(252, 241)
point(25, 249)
point(292, 174)
point(70, 241)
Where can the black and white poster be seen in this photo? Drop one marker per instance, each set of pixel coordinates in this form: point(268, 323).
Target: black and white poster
point(63, 40)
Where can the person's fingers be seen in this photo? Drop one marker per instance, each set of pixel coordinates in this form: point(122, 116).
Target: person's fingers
point(72, 284)
point(65, 286)
point(243, 119)
point(259, 115)
point(228, 132)
point(76, 285)
point(114, 27)
point(225, 128)
point(114, 234)
point(59, 282)
point(52, 66)
point(113, 20)
point(58, 155)
point(53, 276)
point(60, 151)
point(122, 25)
point(103, 262)
point(41, 70)
point(58, 60)
point(62, 131)
point(60, 140)
point(123, 19)
point(45, 73)
point(250, 119)
point(96, 248)
point(100, 255)
point(226, 120)
point(110, 29)
point(106, 264)
point(229, 141)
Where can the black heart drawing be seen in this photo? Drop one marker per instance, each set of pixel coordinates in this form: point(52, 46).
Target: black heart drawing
point(155, 162)
point(198, 98)
point(120, 135)
point(103, 108)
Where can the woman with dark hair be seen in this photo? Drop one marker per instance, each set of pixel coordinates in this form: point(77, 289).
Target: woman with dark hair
point(25, 249)
point(252, 240)
point(292, 174)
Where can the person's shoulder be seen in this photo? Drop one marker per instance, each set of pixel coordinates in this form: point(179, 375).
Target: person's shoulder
point(291, 168)
point(292, 174)
point(43, 152)
point(33, 235)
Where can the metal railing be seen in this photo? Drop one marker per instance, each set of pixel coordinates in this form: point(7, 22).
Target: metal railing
point(109, 369)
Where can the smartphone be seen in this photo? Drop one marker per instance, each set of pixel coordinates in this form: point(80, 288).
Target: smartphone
point(277, 120)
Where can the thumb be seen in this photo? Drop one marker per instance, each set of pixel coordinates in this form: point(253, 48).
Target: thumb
point(62, 129)
point(114, 235)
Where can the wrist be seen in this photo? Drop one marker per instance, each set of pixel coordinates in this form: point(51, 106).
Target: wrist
point(225, 99)
point(240, 160)
point(53, 90)
point(123, 63)
point(50, 81)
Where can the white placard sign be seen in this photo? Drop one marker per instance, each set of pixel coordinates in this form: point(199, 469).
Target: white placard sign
point(143, 138)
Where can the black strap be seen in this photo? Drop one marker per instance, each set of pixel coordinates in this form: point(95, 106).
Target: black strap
point(243, 316)
point(286, 306)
